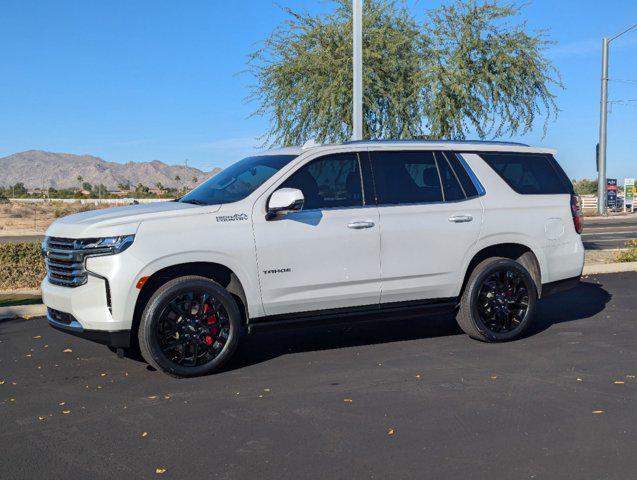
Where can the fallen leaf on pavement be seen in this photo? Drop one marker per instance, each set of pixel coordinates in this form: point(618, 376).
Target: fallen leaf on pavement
point(391, 431)
point(67, 350)
point(619, 382)
point(1, 382)
point(152, 397)
point(145, 434)
point(348, 400)
point(598, 412)
point(66, 412)
point(160, 470)
point(37, 337)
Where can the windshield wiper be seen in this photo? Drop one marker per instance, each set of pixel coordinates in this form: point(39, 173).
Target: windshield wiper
point(194, 202)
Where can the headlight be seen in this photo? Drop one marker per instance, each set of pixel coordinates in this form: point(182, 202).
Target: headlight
point(107, 245)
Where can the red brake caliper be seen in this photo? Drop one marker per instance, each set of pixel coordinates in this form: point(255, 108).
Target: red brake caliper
point(211, 321)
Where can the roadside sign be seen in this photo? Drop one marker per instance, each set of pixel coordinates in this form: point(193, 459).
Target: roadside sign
point(629, 193)
point(611, 193)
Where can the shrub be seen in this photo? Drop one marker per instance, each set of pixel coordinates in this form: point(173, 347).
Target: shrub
point(21, 265)
point(629, 255)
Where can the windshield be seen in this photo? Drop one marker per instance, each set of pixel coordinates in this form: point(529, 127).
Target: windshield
point(237, 181)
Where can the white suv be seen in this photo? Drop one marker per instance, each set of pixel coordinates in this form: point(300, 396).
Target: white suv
point(304, 235)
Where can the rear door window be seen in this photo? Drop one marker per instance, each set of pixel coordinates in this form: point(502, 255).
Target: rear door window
point(406, 177)
point(529, 174)
point(462, 172)
point(450, 184)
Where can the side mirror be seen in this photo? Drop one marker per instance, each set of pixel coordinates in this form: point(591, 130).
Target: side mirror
point(285, 200)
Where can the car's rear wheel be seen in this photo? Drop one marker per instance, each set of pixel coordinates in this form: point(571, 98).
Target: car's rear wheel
point(190, 327)
point(499, 301)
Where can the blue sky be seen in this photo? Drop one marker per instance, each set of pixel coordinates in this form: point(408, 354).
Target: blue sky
point(142, 80)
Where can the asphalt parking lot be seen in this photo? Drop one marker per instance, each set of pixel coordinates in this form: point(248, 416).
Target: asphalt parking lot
point(401, 399)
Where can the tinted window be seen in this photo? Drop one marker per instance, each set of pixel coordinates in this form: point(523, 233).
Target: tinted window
point(529, 174)
point(330, 182)
point(460, 168)
point(451, 187)
point(406, 177)
point(237, 181)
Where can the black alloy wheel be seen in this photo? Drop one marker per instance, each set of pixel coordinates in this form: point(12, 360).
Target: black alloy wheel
point(498, 302)
point(193, 328)
point(190, 327)
point(503, 300)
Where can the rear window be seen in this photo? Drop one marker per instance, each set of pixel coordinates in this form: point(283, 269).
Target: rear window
point(530, 174)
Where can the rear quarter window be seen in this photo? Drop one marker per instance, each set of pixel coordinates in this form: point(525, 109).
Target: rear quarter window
point(530, 174)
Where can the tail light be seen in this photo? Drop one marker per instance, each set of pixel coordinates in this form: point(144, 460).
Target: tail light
point(576, 210)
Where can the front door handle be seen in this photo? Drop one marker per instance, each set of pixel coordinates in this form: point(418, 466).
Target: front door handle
point(361, 225)
point(461, 219)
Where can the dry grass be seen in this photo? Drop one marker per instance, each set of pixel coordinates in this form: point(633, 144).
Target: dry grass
point(38, 217)
point(630, 254)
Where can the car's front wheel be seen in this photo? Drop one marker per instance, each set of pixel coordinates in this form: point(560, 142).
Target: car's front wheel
point(190, 327)
point(499, 300)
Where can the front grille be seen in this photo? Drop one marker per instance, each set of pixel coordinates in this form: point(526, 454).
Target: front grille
point(65, 262)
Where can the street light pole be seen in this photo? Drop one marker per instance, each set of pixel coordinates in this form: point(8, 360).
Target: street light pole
point(603, 121)
point(357, 113)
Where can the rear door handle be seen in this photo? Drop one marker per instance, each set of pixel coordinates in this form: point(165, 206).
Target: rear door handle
point(361, 225)
point(461, 219)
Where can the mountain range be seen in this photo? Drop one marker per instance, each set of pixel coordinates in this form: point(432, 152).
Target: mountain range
point(36, 168)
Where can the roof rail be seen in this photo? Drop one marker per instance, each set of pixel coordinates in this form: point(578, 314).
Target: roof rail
point(311, 143)
point(484, 142)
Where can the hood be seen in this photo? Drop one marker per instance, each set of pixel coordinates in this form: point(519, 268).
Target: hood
point(116, 221)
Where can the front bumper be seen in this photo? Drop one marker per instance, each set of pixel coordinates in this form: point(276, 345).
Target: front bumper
point(66, 323)
point(85, 312)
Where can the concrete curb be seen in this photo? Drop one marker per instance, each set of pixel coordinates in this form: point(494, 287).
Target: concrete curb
point(26, 291)
point(603, 268)
point(24, 311)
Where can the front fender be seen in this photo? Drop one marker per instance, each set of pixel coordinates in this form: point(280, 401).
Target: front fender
point(250, 286)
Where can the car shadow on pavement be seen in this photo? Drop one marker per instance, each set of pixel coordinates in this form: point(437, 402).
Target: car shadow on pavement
point(585, 301)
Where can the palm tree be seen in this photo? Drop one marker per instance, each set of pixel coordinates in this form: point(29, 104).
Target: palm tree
point(80, 179)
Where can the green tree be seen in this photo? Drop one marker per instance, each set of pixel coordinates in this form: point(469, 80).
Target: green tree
point(87, 186)
point(468, 68)
point(585, 186)
point(19, 190)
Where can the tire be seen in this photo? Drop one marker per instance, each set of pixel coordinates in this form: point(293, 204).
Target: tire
point(190, 327)
point(503, 316)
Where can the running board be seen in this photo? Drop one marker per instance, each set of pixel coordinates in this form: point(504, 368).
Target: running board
point(374, 313)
